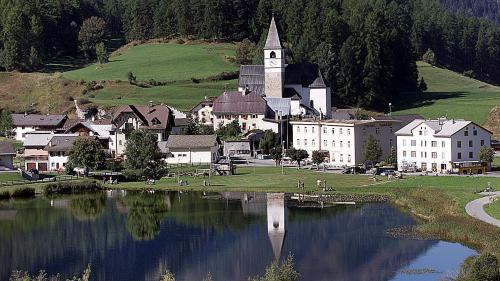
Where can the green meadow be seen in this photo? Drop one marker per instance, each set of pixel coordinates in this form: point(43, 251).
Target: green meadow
point(449, 94)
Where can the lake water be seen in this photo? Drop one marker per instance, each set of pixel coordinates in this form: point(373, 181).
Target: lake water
point(132, 236)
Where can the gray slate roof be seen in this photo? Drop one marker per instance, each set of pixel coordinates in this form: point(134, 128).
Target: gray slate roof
point(38, 140)
point(239, 103)
point(273, 39)
point(37, 120)
point(6, 148)
point(279, 104)
point(442, 128)
point(406, 119)
point(191, 141)
point(61, 143)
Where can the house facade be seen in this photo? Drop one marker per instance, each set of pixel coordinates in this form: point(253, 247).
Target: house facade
point(442, 146)
point(27, 123)
point(58, 149)
point(191, 149)
point(35, 155)
point(7, 154)
point(203, 111)
point(344, 141)
point(156, 119)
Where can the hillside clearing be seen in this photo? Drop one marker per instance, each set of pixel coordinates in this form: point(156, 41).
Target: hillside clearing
point(162, 62)
point(450, 94)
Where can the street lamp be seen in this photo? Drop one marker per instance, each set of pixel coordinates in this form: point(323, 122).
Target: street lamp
point(390, 109)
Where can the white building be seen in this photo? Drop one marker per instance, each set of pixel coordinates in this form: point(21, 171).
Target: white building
point(442, 146)
point(35, 155)
point(156, 119)
point(58, 149)
point(191, 149)
point(344, 141)
point(203, 111)
point(27, 123)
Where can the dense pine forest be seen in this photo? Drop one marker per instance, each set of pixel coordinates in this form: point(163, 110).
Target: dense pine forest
point(489, 9)
point(367, 49)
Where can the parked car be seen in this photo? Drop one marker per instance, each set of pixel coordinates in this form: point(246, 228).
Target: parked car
point(388, 173)
point(354, 170)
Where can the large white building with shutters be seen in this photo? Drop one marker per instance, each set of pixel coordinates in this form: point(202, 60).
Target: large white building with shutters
point(442, 146)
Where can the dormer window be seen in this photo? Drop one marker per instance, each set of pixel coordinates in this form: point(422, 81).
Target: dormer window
point(273, 55)
point(155, 121)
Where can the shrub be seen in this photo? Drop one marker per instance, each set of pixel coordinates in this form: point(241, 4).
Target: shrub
point(484, 267)
point(195, 80)
point(24, 192)
point(72, 187)
point(224, 76)
point(4, 195)
point(469, 73)
point(430, 57)
point(133, 174)
point(131, 78)
point(142, 85)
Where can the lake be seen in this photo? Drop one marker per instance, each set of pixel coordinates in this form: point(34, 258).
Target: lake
point(133, 236)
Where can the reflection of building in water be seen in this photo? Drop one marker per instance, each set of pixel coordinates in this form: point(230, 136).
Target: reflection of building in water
point(276, 221)
point(8, 215)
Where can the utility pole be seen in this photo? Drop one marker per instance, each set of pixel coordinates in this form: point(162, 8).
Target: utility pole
point(282, 163)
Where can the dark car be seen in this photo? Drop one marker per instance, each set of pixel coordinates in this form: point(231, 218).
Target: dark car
point(354, 170)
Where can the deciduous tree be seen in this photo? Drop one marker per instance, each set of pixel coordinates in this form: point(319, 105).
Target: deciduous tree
point(86, 153)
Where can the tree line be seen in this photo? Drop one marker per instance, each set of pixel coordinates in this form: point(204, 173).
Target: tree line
point(366, 49)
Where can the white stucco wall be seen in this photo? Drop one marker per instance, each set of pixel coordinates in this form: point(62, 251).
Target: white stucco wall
point(193, 156)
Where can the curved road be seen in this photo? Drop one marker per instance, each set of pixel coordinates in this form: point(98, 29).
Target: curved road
point(476, 208)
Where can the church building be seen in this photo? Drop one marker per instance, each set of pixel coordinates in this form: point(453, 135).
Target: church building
point(301, 85)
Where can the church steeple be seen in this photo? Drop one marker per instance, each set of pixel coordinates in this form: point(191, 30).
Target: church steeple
point(274, 63)
point(273, 38)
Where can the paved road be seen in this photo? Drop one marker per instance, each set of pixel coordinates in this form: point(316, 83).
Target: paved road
point(476, 208)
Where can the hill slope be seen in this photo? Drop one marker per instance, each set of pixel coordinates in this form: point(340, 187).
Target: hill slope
point(450, 94)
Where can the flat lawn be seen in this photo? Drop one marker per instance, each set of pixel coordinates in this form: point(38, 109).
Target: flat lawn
point(181, 95)
point(14, 176)
point(493, 209)
point(451, 94)
point(162, 62)
point(496, 162)
point(269, 180)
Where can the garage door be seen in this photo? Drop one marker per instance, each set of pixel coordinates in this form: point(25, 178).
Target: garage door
point(42, 167)
point(30, 166)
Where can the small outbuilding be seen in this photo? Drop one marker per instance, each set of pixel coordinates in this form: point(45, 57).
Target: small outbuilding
point(238, 149)
point(191, 149)
point(7, 154)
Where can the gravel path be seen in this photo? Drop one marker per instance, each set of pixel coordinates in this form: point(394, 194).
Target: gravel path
point(476, 208)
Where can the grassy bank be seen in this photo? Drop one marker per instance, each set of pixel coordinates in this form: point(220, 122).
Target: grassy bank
point(13, 176)
point(452, 94)
point(493, 209)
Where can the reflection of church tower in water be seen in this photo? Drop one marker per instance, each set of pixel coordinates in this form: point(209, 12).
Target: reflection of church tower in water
point(276, 221)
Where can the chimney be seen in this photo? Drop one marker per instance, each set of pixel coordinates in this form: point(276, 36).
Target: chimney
point(150, 103)
point(247, 90)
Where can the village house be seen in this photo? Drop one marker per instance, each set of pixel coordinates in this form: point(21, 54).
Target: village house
point(238, 148)
point(442, 145)
point(203, 111)
point(27, 123)
point(191, 149)
point(58, 149)
point(344, 141)
point(35, 155)
point(7, 154)
point(156, 119)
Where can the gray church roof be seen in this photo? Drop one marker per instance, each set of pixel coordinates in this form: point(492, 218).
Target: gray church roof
point(273, 39)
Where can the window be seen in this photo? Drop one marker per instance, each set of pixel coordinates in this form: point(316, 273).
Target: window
point(305, 129)
point(459, 144)
point(298, 129)
point(298, 141)
point(470, 143)
point(324, 130)
point(377, 131)
point(404, 153)
point(325, 143)
point(333, 143)
point(466, 133)
point(471, 154)
point(459, 156)
point(434, 155)
point(443, 144)
point(413, 154)
point(305, 142)
point(333, 131)
point(254, 116)
point(311, 104)
point(341, 157)
point(349, 158)
point(272, 55)
point(475, 133)
point(341, 144)
point(349, 144)
point(420, 132)
point(404, 142)
point(120, 142)
point(348, 131)
point(413, 143)
point(434, 143)
point(443, 155)
point(340, 131)
point(313, 142)
point(482, 142)
point(312, 130)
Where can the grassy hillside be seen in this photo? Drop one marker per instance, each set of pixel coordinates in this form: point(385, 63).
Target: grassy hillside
point(163, 62)
point(450, 94)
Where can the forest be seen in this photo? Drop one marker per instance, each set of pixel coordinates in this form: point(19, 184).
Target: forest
point(367, 49)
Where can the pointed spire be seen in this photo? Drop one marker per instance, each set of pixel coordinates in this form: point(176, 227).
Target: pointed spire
point(319, 82)
point(273, 39)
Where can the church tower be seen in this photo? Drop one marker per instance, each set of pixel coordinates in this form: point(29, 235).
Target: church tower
point(274, 64)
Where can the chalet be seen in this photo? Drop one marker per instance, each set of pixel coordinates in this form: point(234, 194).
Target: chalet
point(26, 123)
point(35, 155)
